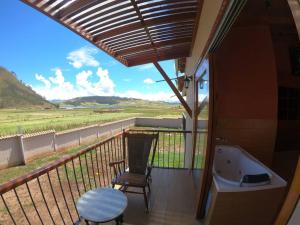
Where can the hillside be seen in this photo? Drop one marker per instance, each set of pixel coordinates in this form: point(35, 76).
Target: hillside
point(105, 100)
point(15, 94)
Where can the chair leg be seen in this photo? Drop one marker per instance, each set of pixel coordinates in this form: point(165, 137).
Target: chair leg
point(146, 199)
point(149, 187)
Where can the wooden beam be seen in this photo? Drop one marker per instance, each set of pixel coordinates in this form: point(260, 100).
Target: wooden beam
point(174, 89)
point(291, 200)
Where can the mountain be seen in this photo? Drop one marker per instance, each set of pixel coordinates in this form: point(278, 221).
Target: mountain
point(15, 94)
point(104, 100)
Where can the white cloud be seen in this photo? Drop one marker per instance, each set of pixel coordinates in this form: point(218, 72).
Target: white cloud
point(41, 78)
point(104, 85)
point(55, 87)
point(83, 57)
point(146, 66)
point(149, 81)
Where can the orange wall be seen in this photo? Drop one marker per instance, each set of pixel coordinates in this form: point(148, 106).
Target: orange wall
point(288, 131)
point(246, 88)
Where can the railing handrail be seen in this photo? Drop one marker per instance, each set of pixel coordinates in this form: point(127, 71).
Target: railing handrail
point(166, 130)
point(55, 164)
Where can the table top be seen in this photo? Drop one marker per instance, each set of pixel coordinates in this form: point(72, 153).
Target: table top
point(101, 204)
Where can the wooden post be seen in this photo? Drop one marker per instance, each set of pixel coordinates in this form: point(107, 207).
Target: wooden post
point(172, 86)
point(291, 200)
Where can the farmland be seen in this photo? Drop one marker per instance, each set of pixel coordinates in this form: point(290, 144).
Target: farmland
point(33, 120)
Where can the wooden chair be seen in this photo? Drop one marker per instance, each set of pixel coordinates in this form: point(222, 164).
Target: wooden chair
point(138, 173)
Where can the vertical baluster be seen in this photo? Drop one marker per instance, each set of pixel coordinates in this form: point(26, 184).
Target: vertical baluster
point(74, 172)
point(184, 146)
point(8, 210)
point(112, 150)
point(70, 188)
point(37, 212)
point(97, 163)
point(163, 149)
point(179, 150)
point(116, 150)
point(174, 150)
point(93, 167)
point(82, 174)
point(198, 150)
point(169, 148)
point(26, 217)
point(108, 169)
point(63, 194)
point(109, 160)
point(55, 200)
point(158, 150)
point(101, 158)
point(43, 196)
point(87, 170)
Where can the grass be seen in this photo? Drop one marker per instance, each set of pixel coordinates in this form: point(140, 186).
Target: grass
point(13, 172)
point(34, 120)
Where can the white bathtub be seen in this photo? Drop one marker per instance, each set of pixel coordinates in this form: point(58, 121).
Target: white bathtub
point(231, 163)
point(242, 203)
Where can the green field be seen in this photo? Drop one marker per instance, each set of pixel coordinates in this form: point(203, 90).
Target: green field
point(33, 120)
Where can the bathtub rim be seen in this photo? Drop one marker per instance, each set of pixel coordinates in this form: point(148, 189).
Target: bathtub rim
point(222, 186)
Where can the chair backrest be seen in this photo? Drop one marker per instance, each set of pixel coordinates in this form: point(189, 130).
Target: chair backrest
point(138, 150)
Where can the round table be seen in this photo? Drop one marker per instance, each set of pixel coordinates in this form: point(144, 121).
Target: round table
point(102, 205)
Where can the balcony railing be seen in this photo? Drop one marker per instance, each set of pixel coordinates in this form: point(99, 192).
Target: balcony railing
point(48, 195)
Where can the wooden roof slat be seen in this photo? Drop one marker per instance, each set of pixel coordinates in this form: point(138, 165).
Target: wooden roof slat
point(132, 31)
point(111, 13)
point(122, 38)
point(152, 22)
point(174, 31)
point(46, 4)
point(131, 39)
point(175, 12)
point(78, 7)
point(145, 47)
point(100, 29)
point(132, 42)
point(123, 19)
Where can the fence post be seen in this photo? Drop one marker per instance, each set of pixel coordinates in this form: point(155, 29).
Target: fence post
point(21, 147)
point(54, 141)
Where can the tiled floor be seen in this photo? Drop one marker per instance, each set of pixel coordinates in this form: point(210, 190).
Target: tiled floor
point(172, 200)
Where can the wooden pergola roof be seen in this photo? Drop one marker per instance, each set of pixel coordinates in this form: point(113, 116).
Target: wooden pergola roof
point(132, 31)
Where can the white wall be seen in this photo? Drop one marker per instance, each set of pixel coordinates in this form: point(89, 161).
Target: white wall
point(11, 153)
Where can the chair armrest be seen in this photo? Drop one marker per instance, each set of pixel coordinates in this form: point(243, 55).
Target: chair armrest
point(111, 164)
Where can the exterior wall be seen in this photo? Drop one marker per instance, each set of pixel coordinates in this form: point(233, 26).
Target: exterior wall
point(11, 152)
point(67, 139)
point(207, 19)
point(246, 86)
point(37, 144)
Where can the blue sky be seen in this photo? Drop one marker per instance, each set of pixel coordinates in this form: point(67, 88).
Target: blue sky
point(59, 64)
